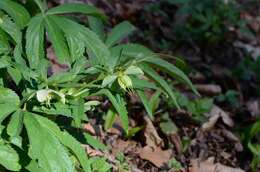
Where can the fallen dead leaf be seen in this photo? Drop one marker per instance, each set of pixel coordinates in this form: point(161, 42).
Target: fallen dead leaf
point(210, 166)
point(157, 156)
point(151, 135)
point(253, 107)
point(215, 113)
point(209, 89)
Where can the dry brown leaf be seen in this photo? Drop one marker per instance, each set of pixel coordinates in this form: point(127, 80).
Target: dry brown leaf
point(215, 113)
point(151, 135)
point(210, 166)
point(157, 156)
point(253, 107)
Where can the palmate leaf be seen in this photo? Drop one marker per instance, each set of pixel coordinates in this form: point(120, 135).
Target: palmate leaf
point(45, 147)
point(16, 11)
point(98, 51)
point(76, 8)
point(159, 80)
point(56, 36)
point(119, 32)
point(35, 41)
point(66, 139)
point(9, 158)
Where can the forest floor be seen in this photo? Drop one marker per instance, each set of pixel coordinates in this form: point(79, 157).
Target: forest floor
point(221, 73)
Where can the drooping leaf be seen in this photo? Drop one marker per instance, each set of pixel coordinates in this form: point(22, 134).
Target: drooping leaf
point(45, 147)
point(160, 81)
point(35, 41)
point(145, 102)
point(172, 70)
point(16, 11)
point(119, 32)
point(76, 8)
point(9, 158)
point(119, 105)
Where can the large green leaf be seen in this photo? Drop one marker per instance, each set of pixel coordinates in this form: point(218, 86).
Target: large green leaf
point(76, 8)
point(119, 32)
point(160, 81)
point(35, 41)
point(45, 147)
point(9, 158)
point(16, 11)
point(57, 39)
point(15, 125)
point(98, 51)
point(9, 102)
point(67, 140)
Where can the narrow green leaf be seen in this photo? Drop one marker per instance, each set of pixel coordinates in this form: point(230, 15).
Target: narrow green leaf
point(145, 102)
point(119, 32)
point(35, 41)
point(155, 100)
point(142, 83)
point(41, 4)
point(9, 158)
point(160, 81)
point(97, 50)
point(45, 147)
point(16, 11)
point(76, 8)
point(94, 142)
point(109, 119)
point(119, 105)
point(97, 26)
point(57, 39)
point(172, 70)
